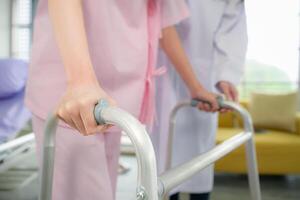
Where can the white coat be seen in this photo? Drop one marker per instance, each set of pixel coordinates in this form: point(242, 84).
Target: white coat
point(215, 39)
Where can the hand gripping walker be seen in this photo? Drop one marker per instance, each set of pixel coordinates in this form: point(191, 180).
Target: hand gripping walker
point(185, 171)
point(151, 187)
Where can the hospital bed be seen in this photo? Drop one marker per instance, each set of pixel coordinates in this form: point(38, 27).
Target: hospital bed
point(10, 151)
point(17, 165)
point(17, 172)
point(150, 186)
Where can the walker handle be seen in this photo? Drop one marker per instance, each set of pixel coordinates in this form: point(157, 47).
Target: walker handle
point(220, 100)
point(104, 114)
point(173, 177)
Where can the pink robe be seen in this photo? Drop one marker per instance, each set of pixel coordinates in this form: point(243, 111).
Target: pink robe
point(123, 41)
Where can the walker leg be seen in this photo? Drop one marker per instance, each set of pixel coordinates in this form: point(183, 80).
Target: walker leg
point(253, 175)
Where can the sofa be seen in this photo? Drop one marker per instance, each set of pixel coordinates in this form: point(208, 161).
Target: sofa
point(278, 152)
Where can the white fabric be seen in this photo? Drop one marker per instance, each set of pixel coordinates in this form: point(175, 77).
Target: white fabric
point(170, 10)
point(215, 39)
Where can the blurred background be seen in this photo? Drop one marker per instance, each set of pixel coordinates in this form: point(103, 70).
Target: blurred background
point(272, 72)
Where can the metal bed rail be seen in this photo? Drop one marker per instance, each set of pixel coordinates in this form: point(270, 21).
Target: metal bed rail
point(16, 142)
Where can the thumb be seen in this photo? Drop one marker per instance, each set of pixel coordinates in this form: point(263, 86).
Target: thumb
point(234, 93)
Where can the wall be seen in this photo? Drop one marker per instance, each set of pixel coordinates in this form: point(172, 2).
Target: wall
point(4, 28)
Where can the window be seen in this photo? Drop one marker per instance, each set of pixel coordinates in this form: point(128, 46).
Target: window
point(21, 28)
point(272, 59)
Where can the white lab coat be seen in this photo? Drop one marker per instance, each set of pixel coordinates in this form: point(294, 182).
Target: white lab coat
point(215, 39)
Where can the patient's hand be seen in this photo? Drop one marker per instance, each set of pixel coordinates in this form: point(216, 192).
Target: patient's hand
point(77, 106)
point(210, 98)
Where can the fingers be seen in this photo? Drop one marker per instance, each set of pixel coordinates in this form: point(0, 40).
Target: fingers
point(204, 106)
point(223, 110)
point(80, 116)
point(79, 123)
point(62, 115)
point(227, 92)
point(72, 113)
point(234, 93)
point(230, 92)
point(233, 96)
point(215, 104)
point(104, 128)
point(89, 122)
point(211, 106)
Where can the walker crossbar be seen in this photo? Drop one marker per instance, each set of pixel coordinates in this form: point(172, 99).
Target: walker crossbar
point(177, 175)
point(173, 177)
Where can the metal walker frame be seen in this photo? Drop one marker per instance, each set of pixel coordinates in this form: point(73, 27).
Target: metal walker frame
point(150, 186)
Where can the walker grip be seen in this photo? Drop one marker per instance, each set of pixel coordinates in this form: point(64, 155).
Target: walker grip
point(220, 100)
point(102, 104)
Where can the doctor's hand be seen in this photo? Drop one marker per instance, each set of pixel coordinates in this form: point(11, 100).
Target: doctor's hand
point(77, 105)
point(202, 94)
point(229, 90)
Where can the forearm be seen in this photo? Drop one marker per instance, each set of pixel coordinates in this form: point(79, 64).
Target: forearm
point(68, 24)
point(172, 46)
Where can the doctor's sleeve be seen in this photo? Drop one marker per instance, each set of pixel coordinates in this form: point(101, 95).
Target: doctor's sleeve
point(230, 43)
point(173, 11)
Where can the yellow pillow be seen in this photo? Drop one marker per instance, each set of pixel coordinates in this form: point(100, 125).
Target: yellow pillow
point(274, 111)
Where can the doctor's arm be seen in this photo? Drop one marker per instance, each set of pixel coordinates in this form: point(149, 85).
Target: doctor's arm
point(83, 91)
point(171, 44)
point(230, 49)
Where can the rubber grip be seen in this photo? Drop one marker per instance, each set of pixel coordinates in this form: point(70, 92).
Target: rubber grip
point(195, 102)
point(102, 104)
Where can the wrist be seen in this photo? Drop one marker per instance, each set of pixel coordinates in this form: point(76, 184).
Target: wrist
point(79, 79)
point(75, 82)
point(195, 89)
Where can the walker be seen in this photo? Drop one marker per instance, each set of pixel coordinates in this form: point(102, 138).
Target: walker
point(150, 186)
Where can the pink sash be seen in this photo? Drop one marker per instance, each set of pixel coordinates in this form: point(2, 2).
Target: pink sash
point(147, 114)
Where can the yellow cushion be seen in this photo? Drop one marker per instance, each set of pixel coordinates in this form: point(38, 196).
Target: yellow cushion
point(236, 119)
point(277, 153)
point(275, 111)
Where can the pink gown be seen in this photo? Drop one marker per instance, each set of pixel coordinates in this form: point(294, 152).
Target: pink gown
point(123, 41)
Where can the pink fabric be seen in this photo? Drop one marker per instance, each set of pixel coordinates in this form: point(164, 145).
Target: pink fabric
point(85, 167)
point(160, 15)
point(118, 42)
point(148, 103)
point(148, 113)
point(123, 42)
point(120, 34)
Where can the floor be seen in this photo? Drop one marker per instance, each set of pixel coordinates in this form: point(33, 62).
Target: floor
point(227, 187)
